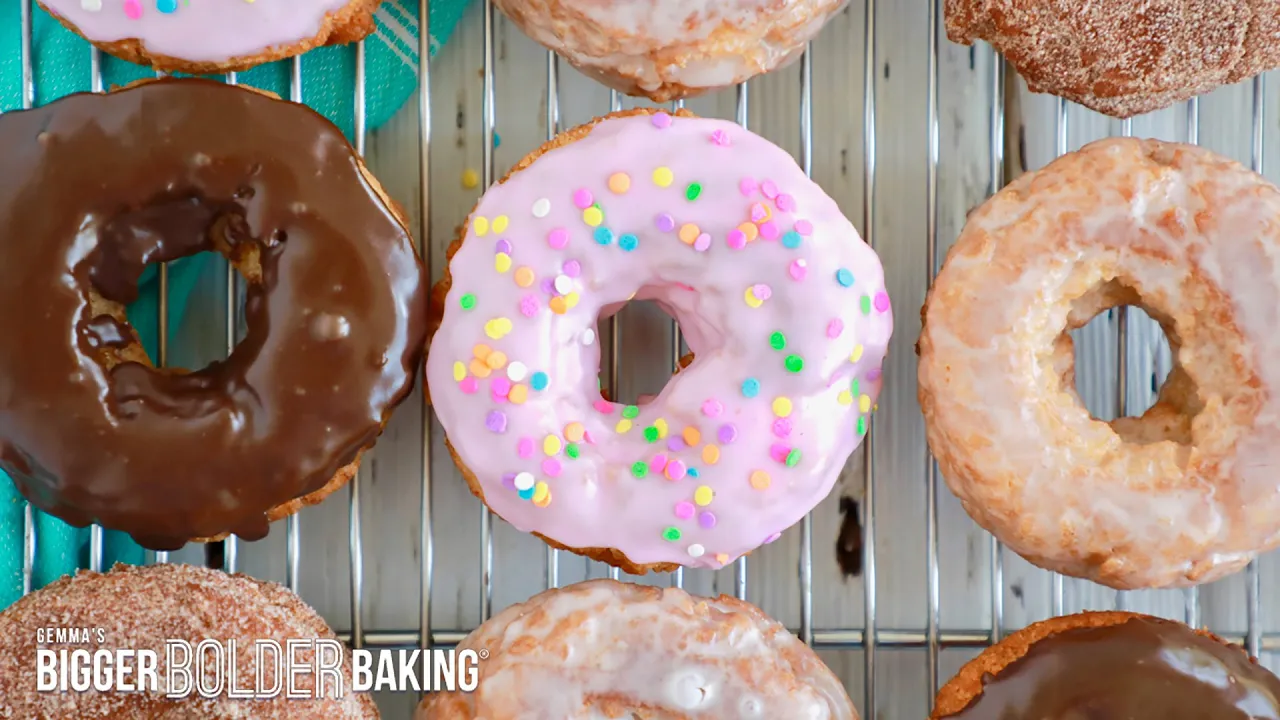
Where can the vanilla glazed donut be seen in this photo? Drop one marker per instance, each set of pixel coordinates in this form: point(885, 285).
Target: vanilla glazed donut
point(781, 303)
point(1184, 494)
point(139, 608)
point(602, 648)
point(205, 37)
point(95, 187)
point(671, 49)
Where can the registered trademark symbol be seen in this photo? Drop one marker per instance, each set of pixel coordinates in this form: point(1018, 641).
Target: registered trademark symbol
point(484, 654)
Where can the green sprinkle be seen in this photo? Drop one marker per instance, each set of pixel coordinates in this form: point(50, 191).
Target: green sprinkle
point(794, 363)
point(853, 388)
point(468, 301)
point(793, 458)
point(671, 533)
point(651, 434)
point(630, 411)
point(777, 341)
point(866, 304)
point(572, 450)
point(862, 426)
point(693, 191)
point(639, 469)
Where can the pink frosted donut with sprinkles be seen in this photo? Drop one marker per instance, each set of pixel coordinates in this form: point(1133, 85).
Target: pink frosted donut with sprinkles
point(780, 301)
point(213, 36)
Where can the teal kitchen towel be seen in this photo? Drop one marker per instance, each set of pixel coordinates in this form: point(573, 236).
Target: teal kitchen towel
point(60, 66)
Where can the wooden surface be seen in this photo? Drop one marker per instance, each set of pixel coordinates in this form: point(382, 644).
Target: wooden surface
point(391, 479)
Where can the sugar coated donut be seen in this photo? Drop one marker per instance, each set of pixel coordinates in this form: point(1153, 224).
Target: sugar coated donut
point(782, 303)
point(1184, 494)
point(213, 36)
point(139, 609)
point(670, 49)
point(1110, 665)
point(608, 649)
point(94, 187)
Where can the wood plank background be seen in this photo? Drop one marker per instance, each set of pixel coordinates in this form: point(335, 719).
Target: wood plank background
point(391, 479)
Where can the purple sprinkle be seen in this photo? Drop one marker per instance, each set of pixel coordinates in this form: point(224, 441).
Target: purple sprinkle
point(548, 286)
point(528, 306)
point(702, 243)
point(509, 481)
point(746, 186)
point(552, 467)
point(675, 443)
point(721, 138)
point(727, 433)
point(661, 120)
point(772, 537)
point(582, 198)
point(504, 246)
point(684, 510)
point(572, 268)
point(782, 427)
point(778, 452)
point(496, 421)
point(524, 448)
point(665, 222)
point(558, 238)
point(737, 239)
point(785, 203)
point(873, 374)
point(769, 230)
point(769, 189)
point(882, 301)
point(706, 518)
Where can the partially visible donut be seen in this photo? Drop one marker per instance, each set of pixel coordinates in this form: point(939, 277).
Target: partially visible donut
point(213, 36)
point(139, 608)
point(1110, 665)
point(1185, 494)
point(605, 649)
point(94, 187)
point(672, 49)
point(782, 304)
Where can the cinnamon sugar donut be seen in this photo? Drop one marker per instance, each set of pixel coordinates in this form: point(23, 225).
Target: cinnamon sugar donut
point(1184, 494)
point(139, 608)
point(671, 49)
point(1110, 665)
point(605, 649)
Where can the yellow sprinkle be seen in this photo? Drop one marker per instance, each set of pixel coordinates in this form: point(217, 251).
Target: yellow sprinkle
point(864, 403)
point(710, 454)
point(702, 496)
point(592, 216)
point(459, 372)
point(856, 355)
point(622, 426)
point(571, 300)
point(518, 394)
point(500, 224)
point(619, 183)
point(479, 369)
point(574, 432)
point(661, 425)
point(551, 445)
point(750, 230)
point(662, 177)
point(781, 407)
point(502, 262)
point(496, 360)
point(845, 397)
point(541, 494)
point(470, 179)
point(691, 436)
point(751, 299)
point(760, 480)
point(481, 226)
point(497, 328)
point(557, 305)
point(481, 351)
point(524, 277)
point(688, 233)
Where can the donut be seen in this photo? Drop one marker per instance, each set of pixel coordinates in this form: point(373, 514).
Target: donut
point(92, 188)
point(1184, 494)
point(602, 648)
point(1110, 665)
point(1119, 61)
point(203, 38)
point(139, 608)
point(781, 303)
point(672, 49)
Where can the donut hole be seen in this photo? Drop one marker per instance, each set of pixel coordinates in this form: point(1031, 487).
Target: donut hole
point(646, 344)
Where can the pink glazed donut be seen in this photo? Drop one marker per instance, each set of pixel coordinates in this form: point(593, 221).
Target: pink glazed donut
point(782, 304)
point(213, 36)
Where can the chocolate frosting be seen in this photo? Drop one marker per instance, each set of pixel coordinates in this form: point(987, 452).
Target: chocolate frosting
point(94, 187)
point(1139, 669)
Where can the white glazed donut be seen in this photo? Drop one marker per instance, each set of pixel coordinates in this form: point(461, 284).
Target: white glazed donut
point(670, 49)
point(1185, 494)
point(605, 649)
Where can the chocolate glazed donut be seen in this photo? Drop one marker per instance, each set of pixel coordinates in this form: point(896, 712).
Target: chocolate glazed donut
point(93, 188)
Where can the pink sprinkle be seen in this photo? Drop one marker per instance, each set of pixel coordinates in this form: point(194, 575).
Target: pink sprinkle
point(558, 238)
point(737, 239)
point(882, 301)
point(770, 231)
point(804, 227)
point(785, 203)
point(702, 243)
point(758, 212)
point(782, 428)
point(721, 138)
point(747, 186)
point(684, 510)
point(133, 9)
point(661, 120)
point(769, 189)
point(572, 268)
point(772, 537)
point(676, 470)
point(798, 269)
point(778, 452)
point(552, 467)
point(603, 406)
point(762, 291)
point(582, 198)
point(834, 328)
point(469, 385)
point(586, 437)
point(712, 408)
point(498, 388)
point(658, 463)
point(524, 448)
point(528, 306)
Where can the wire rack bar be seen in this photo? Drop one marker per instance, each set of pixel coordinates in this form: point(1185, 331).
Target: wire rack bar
point(355, 536)
point(1191, 596)
point(553, 129)
point(996, 159)
point(1057, 590)
point(677, 345)
point(743, 113)
point(487, 119)
point(806, 525)
point(868, 452)
point(933, 591)
point(293, 524)
point(424, 246)
point(615, 338)
point(1122, 363)
point(1252, 580)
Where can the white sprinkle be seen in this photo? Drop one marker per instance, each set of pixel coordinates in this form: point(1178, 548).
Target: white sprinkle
point(695, 550)
point(541, 207)
point(91, 5)
point(516, 371)
point(524, 481)
point(564, 284)
point(588, 336)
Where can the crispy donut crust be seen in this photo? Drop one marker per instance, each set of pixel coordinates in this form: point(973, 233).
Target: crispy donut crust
point(352, 23)
point(139, 607)
point(1119, 62)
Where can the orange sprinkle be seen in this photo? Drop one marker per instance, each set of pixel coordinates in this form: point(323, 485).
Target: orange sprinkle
point(496, 360)
point(481, 351)
point(524, 277)
point(762, 209)
point(518, 394)
point(710, 454)
point(691, 436)
point(722, 558)
point(542, 500)
point(760, 480)
point(688, 233)
point(557, 305)
point(619, 182)
point(750, 230)
point(479, 369)
point(574, 432)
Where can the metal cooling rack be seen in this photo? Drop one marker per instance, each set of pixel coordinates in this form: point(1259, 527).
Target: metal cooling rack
point(932, 638)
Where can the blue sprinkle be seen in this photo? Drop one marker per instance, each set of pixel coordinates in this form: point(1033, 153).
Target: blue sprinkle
point(167, 6)
point(628, 242)
point(750, 387)
point(791, 240)
point(497, 140)
point(539, 380)
point(844, 277)
point(526, 494)
point(604, 235)
point(693, 472)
